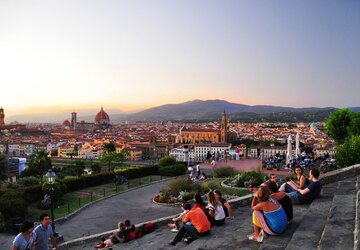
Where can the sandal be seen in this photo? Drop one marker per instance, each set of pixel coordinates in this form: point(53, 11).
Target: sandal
point(251, 237)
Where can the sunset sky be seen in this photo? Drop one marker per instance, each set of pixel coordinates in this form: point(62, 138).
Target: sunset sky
point(73, 55)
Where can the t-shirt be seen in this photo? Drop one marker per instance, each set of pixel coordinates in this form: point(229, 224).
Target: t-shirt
point(315, 190)
point(219, 212)
point(42, 237)
point(22, 244)
point(223, 201)
point(198, 219)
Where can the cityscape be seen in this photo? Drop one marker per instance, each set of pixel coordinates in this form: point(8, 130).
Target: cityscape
point(150, 141)
point(179, 124)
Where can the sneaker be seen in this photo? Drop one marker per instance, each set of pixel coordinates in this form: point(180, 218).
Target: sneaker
point(174, 230)
point(173, 243)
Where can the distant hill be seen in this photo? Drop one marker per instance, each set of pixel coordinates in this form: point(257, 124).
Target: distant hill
point(195, 111)
point(199, 110)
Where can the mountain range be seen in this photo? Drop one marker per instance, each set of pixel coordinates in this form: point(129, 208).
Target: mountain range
point(196, 111)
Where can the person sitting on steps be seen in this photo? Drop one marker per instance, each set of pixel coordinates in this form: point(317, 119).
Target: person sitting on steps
point(224, 203)
point(268, 215)
point(118, 236)
point(307, 195)
point(300, 181)
point(283, 199)
point(215, 211)
point(199, 225)
point(177, 220)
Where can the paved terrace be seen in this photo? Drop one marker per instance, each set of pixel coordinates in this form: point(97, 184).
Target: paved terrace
point(136, 205)
point(330, 222)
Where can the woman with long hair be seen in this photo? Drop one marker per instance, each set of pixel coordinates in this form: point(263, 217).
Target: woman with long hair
point(215, 210)
point(300, 181)
point(268, 215)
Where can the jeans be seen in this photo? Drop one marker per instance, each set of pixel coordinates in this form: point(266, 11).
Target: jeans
point(289, 189)
point(294, 196)
point(188, 228)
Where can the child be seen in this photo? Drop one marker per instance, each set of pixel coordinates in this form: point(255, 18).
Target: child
point(176, 225)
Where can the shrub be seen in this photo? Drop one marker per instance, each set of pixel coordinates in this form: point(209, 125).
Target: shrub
point(250, 178)
point(32, 193)
point(28, 181)
point(224, 172)
point(172, 170)
point(174, 187)
point(182, 189)
point(348, 153)
point(13, 205)
point(166, 161)
point(2, 224)
point(11, 185)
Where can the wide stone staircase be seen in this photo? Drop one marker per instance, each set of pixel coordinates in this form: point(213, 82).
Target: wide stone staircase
point(330, 222)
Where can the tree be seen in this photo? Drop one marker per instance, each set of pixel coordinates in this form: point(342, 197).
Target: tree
point(166, 161)
point(110, 157)
point(338, 123)
point(95, 168)
point(3, 168)
point(109, 147)
point(348, 153)
point(39, 163)
point(79, 167)
point(354, 128)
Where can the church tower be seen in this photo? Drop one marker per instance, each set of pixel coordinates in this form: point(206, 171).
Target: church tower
point(2, 116)
point(224, 127)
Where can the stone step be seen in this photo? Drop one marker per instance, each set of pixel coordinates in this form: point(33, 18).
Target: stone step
point(308, 233)
point(340, 221)
point(357, 216)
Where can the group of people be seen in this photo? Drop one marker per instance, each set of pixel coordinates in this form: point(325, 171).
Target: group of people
point(195, 173)
point(121, 235)
point(196, 221)
point(35, 238)
point(272, 205)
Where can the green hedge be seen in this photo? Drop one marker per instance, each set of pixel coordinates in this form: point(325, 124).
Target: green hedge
point(172, 170)
point(98, 179)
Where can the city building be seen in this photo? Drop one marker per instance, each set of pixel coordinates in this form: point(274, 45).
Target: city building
point(199, 152)
point(198, 135)
point(102, 119)
point(2, 117)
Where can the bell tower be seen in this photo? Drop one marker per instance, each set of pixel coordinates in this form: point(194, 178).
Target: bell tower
point(224, 127)
point(2, 116)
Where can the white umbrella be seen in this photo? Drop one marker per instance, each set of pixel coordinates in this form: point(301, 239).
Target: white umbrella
point(289, 150)
point(297, 149)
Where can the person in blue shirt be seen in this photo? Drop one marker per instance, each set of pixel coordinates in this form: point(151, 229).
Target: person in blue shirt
point(25, 239)
point(44, 232)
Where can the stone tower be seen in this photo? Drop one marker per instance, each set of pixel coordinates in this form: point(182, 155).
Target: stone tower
point(73, 121)
point(2, 116)
point(224, 127)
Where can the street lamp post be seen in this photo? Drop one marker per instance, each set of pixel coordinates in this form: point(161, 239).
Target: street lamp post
point(50, 180)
